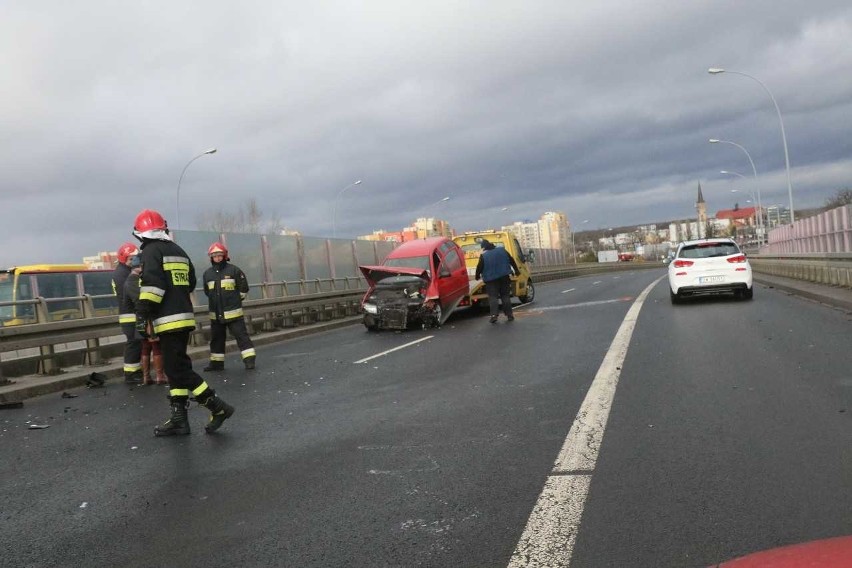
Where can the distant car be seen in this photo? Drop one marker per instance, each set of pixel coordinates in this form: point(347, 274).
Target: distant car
point(419, 283)
point(709, 266)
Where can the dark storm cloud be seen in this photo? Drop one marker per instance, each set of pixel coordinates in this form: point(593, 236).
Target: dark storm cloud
point(601, 110)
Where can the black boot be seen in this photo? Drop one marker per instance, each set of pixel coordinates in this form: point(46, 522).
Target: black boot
point(133, 378)
point(215, 366)
point(219, 412)
point(177, 424)
point(249, 362)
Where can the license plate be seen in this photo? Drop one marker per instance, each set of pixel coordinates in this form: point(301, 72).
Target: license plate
point(710, 279)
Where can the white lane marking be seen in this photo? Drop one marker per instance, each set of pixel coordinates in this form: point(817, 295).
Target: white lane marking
point(551, 532)
point(568, 290)
point(394, 349)
point(596, 282)
point(581, 304)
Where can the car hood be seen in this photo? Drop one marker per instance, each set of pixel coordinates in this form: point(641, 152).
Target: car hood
point(375, 274)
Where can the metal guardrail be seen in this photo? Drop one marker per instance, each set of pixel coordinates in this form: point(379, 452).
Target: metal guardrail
point(289, 304)
point(316, 300)
point(832, 269)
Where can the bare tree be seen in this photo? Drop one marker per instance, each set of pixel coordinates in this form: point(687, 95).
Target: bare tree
point(248, 218)
point(842, 197)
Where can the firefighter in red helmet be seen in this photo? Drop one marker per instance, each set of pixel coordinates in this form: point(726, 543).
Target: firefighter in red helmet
point(226, 288)
point(165, 309)
point(127, 320)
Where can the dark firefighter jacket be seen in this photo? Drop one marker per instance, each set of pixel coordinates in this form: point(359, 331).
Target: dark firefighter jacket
point(167, 280)
point(226, 287)
point(119, 277)
point(131, 295)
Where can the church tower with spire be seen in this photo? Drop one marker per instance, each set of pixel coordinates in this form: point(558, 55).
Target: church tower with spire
point(701, 207)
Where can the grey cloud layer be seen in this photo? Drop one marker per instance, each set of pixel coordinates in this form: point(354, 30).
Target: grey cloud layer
point(601, 110)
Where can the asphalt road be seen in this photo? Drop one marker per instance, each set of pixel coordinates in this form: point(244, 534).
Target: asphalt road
point(728, 434)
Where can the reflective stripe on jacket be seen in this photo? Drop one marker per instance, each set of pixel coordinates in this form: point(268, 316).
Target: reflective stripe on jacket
point(226, 286)
point(167, 280)
point(119, 277)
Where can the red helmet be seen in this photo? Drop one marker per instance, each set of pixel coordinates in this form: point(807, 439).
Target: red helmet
point(149, 220)
point(218, 248)
point(125, 251)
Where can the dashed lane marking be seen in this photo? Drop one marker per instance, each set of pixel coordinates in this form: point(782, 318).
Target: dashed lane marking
point(568, 290)
point(583, 304)
point(550, 535)
point(394, 349)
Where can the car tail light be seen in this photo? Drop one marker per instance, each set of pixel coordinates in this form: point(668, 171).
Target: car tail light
point(682, 263)
point(738, 258)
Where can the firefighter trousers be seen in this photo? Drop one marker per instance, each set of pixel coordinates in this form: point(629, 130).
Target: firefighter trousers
point(132, 350)
point(183, 380)
point(238, 330)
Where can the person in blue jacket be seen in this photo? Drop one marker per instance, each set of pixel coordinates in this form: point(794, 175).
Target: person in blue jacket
point(494, 267)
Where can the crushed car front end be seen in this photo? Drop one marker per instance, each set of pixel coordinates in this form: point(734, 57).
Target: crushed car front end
point(398, 299)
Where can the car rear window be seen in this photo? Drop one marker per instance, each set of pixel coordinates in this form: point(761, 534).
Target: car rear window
point(708, 250)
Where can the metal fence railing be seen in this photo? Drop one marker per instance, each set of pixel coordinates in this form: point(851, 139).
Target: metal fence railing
point(46, 346)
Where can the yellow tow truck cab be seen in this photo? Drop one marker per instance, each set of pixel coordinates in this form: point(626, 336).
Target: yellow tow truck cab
point(522, 285)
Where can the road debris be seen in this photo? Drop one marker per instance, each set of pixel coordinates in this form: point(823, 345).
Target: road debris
point(39, 426)
point(95, 380)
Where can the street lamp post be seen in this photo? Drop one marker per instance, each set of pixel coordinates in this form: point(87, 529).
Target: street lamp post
point(716, 71)
point(760, 222)
point(177, 204)
point(334, 215)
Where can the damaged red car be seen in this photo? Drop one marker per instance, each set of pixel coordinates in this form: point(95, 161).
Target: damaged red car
point(420, 283)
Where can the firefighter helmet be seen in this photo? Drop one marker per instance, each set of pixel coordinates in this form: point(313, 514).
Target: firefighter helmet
point(149, 220)
point(218, 248)
point(125, 251)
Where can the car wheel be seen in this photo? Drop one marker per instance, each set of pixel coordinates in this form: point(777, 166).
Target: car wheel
point(530, 295)
point(370, 324)
point(435, 318)
point(748, 293)
point(674, 297)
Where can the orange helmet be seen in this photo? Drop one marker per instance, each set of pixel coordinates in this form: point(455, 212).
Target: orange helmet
point(149, 220)
point(125, 251)
point(218, 248)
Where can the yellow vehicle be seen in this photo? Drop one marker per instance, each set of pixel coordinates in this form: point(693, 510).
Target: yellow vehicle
point(23, 283)
point(522, 285)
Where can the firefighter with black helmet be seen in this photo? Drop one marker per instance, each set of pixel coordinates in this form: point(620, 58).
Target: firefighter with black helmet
point(165, 309)
point(126, 319)
point(226, 288)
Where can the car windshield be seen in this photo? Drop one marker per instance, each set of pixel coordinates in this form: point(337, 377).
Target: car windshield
point(421, 262)
point(477, 247)
point(395, 281)
point(708, 250)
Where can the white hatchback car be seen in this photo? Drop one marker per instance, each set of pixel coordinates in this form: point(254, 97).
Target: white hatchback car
point(709, 266)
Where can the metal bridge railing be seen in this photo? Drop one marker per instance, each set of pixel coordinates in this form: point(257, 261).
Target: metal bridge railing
point(82, 336)
point(86, 336)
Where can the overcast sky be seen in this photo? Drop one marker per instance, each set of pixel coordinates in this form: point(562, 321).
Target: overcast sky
point(601, 110)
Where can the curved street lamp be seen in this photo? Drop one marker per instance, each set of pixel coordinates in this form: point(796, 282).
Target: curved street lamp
point(334, 215)
point(177, 204)
point(760, 222)
point(716, 71)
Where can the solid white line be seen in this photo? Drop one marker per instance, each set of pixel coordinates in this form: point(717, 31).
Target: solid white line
point(394, 349)
point(551, 532)
point(568, 290)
